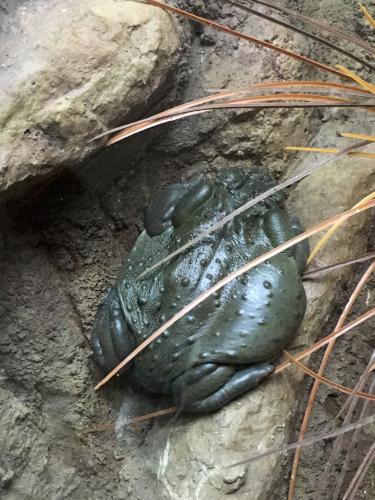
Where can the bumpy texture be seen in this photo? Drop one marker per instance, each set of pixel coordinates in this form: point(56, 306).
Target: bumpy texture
point(226, 345)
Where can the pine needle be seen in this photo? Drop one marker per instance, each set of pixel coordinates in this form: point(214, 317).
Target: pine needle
point(251, 203)
point(309, 440)
point(324, 240)
point(243, 36)
point(220, 284)
point(366, 85)
point(368, 16)
point(314, 391)
point(358, 154)
point(311, 274)
point(326, 381)
point(342, 35)
point(363, 137)
point(135, 420)
point(335, 334)
point(303, 32)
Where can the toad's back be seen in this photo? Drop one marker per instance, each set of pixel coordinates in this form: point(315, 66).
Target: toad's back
point(250, 319)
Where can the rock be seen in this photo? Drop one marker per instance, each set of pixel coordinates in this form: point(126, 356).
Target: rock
point(243, 136)
point(5, 477)
point(24, 441)
point(207, 39)
point(88, 65)
point(202, 448)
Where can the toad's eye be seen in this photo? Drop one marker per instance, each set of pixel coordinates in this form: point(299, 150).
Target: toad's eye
point(193, 199)
point(159, 213)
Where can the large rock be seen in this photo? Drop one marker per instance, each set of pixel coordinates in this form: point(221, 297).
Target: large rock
point(70, 70)
point(197, 452)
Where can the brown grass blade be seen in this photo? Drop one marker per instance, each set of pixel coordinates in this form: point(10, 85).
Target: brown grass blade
point(350, 448)
point(313, 85)
point(351, 492)
point(220, 284)
point(321, 343)
point(360, 474)
point(249, 104)
point(314, 391)
point(326, 237)
point(367, 14)
point(358, 154)
point(342, 35)
point(303, 32)
point(308, 441)
point(288, 182)
point(317, 85)
point(135, 420)
point(348, 408)
point(326, 381)
point(243, 36)
point(318, 271)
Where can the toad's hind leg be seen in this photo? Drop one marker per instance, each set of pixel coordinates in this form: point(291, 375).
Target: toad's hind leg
point(302, 250)
point(208, 387)
point(280, 228)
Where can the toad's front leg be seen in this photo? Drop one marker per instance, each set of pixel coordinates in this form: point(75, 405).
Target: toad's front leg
point(111, 339)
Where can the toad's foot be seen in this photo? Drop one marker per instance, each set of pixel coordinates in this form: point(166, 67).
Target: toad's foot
point(208, 387)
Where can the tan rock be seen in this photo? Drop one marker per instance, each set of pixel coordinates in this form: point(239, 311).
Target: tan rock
point(87, 66)
point(201, 449)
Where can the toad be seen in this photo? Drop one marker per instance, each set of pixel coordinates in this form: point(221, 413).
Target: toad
point(228, 343)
